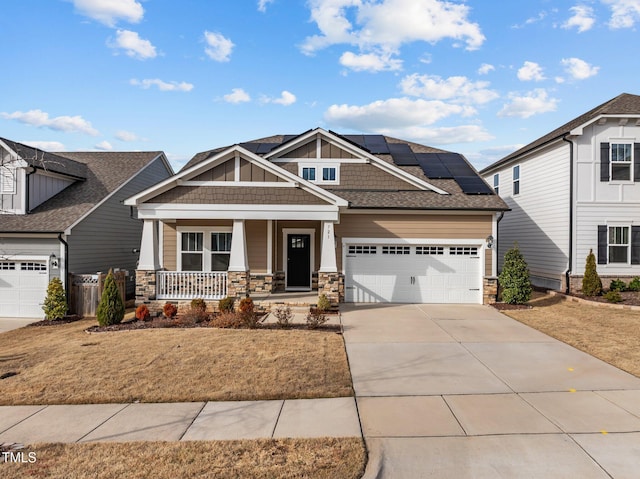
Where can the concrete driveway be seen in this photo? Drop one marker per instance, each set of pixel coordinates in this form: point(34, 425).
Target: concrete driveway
point(457, 391)
point(7, 324)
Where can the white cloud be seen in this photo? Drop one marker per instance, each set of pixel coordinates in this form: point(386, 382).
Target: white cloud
point(624, 13)
point(45, 145)
point(386, 25)
point(41, 119)
point(583, 18)
point(123, 135)
point(372, 62)
point(485, 68)
point(161, 85)
point(531, 20)
point(579, 69)
point(532, 103)
point(530, 71)
point(441, 135)
point(262, 5)
point(458, 89)
point(237, 95)
point(286, 98)
point(104, 146)
point(218, 47)
point(110, 11)
point(133, 45)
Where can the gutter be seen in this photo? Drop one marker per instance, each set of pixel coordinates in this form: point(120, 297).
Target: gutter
point(570, 259)
point(66, 267)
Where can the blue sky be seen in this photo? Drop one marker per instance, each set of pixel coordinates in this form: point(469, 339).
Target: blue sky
point(478, 77)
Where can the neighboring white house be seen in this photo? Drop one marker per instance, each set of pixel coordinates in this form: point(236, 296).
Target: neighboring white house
point(574, 190)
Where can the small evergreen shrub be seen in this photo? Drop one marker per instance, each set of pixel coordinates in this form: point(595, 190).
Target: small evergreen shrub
point(613, 296)
point(514, 278)
point(634, 284)
point(226, 304)
point(199, 304)
point(111, 308)
point(55, 303)
point(323, 303)
point(316, 318)
point(142, 313)
point(247, 313)
point(283, 316)
point(169, 310)
point(591, 283)
point(617, 285)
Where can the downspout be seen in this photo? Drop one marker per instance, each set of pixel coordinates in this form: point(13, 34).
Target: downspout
point(66, 266)
point(27, 206)
point(570, 259)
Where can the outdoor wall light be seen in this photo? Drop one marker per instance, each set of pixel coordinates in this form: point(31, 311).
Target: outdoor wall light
point(490, 241)
point(53, 261)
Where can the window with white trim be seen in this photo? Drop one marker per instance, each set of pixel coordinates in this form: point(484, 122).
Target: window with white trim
point(362, 249)
point(192, 251)
point(621, 161)
point(463, 251)
point(32, 266)
point(319, 172)
point(7, 265)
point(396, 250)
point(618, 244)
point(329, 174)
point(516, 180)
point(309, 173)
point(496, 183)
point(430, 250)
point(220, 251)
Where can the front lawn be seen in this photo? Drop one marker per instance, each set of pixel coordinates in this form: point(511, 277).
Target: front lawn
point(612, 335)
point(65, 365)
point(326, 458)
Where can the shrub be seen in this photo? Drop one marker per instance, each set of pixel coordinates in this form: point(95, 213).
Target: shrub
point(169, 310)
point(111, 308)
point(323, 303)
point(514, 278)
point(226, 304)
point(617, 285)
point(55, 303)
point(613, 296)
point(142, 313)
point(634, 284)
point(591, 283)
point(247, 313)
point(226, 319)
point(199, 304)
point(283, 316)
point(316, 318)
point(195, 314)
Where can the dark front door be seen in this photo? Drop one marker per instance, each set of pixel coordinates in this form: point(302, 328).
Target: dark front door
point(298, 261)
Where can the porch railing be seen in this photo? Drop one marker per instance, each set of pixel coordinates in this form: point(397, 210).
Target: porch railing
point(191, 284)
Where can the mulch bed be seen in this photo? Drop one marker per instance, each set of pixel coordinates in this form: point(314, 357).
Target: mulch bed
point(56, 322)
point(510, 307)
point(629, 298)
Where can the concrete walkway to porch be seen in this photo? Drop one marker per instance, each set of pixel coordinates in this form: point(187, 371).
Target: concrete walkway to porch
point(457, 391)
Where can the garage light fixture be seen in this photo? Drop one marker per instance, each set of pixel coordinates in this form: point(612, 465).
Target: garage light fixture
point(53, 261)
point(489, 241)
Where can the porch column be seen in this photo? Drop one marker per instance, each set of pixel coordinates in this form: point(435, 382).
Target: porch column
point(238, 275)
point(149, 259)
point(328, 252)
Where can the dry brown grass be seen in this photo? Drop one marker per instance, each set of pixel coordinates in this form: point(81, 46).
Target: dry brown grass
point(258, 459)
point(64, 365)
point(612, 335)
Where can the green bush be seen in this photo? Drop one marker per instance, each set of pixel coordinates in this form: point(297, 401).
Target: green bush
point(199, 304)
point(617, 285)
point(111, 308)
point(613, 296)
point(591, 283)
point(634, 284)
point(55, 303)
point(514, 279)
point(226, 304)
point(323, 303)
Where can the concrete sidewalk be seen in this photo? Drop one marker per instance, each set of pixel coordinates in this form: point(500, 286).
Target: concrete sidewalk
point(300, 418)
point(455, 391)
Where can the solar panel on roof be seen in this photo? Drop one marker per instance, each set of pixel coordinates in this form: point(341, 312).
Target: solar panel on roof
point(252, 147)
point(376, 144)
point(402, 154)
point(473, 185)
point(432, 166)
point(456, 164)
point(356, 139)
point(264, 148)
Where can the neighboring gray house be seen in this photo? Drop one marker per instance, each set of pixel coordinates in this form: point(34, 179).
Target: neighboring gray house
point(64, 212)
point(573, 190)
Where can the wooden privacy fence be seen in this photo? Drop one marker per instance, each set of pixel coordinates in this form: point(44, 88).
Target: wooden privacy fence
point(86, 291)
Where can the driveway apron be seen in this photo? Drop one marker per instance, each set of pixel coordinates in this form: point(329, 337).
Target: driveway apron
point(462, 391)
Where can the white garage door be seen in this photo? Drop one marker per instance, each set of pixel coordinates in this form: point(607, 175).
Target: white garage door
point(23, 286)
point(412, 274)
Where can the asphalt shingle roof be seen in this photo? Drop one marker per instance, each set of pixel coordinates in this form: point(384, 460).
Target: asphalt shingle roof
point(105, 173)
point(47, 161)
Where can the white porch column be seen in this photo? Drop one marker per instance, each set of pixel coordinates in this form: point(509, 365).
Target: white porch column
point(328, 252)
point(149, 260)
point(238, 259)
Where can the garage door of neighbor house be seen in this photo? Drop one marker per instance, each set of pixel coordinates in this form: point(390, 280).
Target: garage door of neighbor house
point(402, 273)
point(23, 286)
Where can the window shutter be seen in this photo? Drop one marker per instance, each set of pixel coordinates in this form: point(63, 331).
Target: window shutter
point(602, 244)
point(636, 162)
point(604, 161)
point(635, 245)
point(7, 181)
